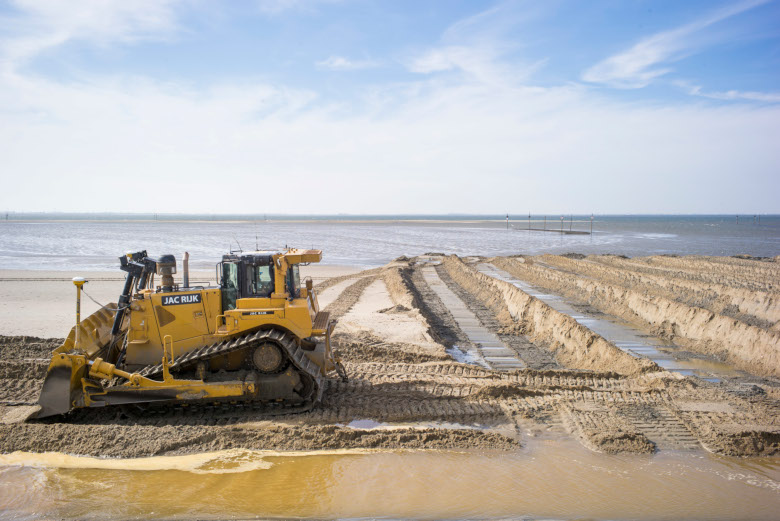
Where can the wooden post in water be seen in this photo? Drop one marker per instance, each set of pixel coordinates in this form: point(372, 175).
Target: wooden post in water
point(529, 221)
point(561, 224)
point(507, 221)
point(591, 225)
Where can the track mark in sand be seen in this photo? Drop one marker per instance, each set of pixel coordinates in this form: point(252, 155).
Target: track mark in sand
point(662, 427)
point(332, 281)
point(490, 351)
point(331, 293)
point(601, 430)
point(533, 356)
point(443, 326)
point(349, 297)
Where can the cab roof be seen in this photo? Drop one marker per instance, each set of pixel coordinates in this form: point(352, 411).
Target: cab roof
point(292, 256)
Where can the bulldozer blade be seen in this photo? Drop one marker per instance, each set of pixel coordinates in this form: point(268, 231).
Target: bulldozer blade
point(55, 395)
point(62, 385)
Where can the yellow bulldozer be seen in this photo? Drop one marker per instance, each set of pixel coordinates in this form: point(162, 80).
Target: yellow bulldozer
point(257, 337)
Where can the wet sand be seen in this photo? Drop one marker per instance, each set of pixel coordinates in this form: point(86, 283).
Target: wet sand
point(408, 357)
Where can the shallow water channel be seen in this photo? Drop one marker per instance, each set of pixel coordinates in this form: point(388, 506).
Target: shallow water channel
point(548, 478)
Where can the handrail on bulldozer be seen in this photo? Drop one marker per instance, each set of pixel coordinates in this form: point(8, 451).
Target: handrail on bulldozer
point(167, 339)
point(228, 329)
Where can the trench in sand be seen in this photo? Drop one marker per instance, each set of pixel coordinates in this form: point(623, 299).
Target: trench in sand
point(621, 334)
point(708, 321)
point(490, 351)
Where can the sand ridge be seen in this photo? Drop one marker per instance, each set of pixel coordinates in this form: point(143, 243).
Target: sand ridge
point(750, 347)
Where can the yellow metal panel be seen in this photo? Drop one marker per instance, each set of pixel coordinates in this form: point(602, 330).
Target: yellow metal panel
point(212, 305)
point(298, 256)
point(189, 316)
point(142, 328)
point(261, 303)
point(144, 345)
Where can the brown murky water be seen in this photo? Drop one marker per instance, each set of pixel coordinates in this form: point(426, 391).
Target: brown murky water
point(550, 479)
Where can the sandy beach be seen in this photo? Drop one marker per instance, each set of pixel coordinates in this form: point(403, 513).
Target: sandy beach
point(685, 357)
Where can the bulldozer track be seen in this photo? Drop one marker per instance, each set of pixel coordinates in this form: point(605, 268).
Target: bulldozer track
point(294, 352)
point(444, 328)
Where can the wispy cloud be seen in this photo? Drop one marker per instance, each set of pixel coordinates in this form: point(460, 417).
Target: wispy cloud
point(40, 25)
point(273, 7)
point(478, 45)
point(730, 95)
point(447, 58)
point(651, 57)
point(340, 63)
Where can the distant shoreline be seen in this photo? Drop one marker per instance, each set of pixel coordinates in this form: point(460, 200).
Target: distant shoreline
point(550, 222)
point(551, 218)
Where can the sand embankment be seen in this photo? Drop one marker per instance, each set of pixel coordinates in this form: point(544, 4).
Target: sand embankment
point(699, 284)
point(573, 344)
point(752, 348)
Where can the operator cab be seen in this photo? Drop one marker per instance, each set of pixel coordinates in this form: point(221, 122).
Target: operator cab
point(252, 275)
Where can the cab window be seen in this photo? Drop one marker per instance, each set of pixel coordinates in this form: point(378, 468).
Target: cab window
point(261, 281)
point(294, 281)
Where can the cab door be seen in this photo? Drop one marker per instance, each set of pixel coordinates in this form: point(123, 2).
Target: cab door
point(230, 285)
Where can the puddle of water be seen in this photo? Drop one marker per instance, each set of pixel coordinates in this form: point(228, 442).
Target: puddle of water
point(369, 424)
point(550, 479)
point(623, 335)
point(469, 356)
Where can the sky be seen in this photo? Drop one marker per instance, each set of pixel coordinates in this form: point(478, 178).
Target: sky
point(387, 107)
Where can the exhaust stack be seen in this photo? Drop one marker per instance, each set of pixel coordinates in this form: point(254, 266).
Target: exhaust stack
point(185, 267)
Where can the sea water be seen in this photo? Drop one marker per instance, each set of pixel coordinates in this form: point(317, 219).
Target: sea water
point(43, 242)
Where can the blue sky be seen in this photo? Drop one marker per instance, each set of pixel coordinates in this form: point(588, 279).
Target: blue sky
point(390, 107)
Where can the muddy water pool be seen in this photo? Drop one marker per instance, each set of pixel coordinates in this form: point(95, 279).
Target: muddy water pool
point(548, 478)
